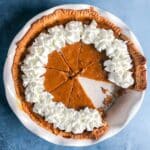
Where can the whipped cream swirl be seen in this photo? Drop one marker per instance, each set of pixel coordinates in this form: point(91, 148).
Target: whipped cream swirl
point(73, 31)
point(66, 119)
point(118, 65)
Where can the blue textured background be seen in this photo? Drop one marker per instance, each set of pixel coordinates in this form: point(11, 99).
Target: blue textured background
point(14, 14)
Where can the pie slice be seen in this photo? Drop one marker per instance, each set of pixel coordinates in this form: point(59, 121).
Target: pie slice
point(71, 55)
point(95, 71)
point(88, 55)
point(56, 61)
point(53, 79)
point(63, 92)
point(78, 98)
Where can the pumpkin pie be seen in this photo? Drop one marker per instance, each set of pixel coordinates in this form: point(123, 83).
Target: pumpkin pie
point(64, 68)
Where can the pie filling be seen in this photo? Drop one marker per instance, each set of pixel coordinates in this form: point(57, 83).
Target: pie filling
point(54, 61)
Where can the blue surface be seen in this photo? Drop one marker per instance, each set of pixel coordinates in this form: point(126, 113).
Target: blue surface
point(14, 14)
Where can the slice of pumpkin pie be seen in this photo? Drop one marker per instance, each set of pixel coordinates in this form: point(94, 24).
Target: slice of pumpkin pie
point(88, 55)
point(95, 71)
point(63, 92)
point(71, 55)
point(56, 61)
point(54, 79)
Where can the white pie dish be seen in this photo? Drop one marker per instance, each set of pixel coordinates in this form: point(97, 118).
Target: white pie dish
point(117, 117)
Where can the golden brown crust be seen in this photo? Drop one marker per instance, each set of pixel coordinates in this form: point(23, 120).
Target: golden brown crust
point(62, 16)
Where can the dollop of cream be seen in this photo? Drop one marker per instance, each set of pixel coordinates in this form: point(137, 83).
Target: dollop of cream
point(118, 65)
point(57, 36)
point(66, 119)
point(73, 31)
point(90, 33)
point(104, 39)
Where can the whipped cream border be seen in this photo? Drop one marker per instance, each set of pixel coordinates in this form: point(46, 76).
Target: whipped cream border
point(66, 119)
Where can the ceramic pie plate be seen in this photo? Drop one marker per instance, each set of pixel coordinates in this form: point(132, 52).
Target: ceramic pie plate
point(122, 111)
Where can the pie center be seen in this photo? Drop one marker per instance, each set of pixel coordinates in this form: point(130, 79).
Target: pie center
point(64, 68)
